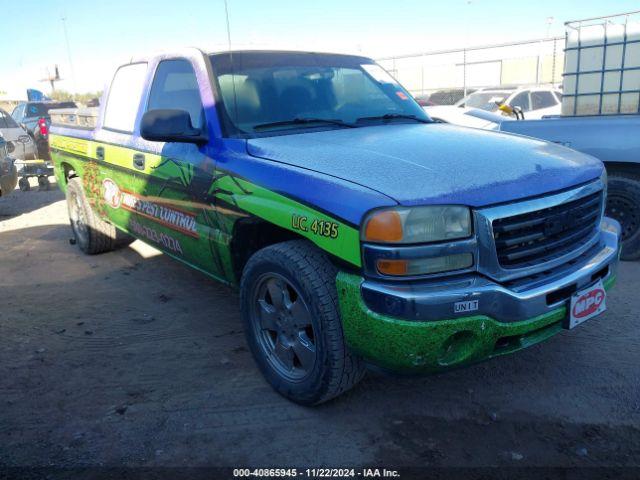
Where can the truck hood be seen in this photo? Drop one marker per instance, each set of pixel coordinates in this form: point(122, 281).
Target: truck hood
point(434, 163)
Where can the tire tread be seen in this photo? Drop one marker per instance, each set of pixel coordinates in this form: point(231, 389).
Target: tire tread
point(342, 369)
point(103, 236)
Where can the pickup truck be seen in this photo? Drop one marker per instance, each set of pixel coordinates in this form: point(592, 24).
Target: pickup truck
point(359, 232)
point(613, 139)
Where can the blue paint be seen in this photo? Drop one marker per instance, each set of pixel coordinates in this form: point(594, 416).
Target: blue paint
point(418, 164)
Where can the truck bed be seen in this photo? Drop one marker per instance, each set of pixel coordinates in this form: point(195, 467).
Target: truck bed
point(609, 138)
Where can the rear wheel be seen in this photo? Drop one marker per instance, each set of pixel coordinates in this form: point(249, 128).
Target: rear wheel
point(23, 183)
point(92, 234)
point(43, 183)
point(623, 204)
point(292, 324)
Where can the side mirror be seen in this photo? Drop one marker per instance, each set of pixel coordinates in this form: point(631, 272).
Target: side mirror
point(503, 107)
point(169, 125)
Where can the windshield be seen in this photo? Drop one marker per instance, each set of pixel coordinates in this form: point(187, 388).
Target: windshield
point(485, 100)
point(279, 92)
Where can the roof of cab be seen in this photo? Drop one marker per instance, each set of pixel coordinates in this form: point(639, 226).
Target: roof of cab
point(189, 51)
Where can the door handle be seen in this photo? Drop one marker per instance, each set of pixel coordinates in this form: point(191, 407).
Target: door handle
point(138, 161)
point(100, 153)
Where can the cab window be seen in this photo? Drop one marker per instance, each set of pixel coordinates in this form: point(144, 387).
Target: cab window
point(522, 100)
point(175, 86)
point(124, 97)
point(542, 99)
point(18, 113)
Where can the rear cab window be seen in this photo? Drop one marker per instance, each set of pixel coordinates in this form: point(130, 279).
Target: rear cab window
point(124, 98)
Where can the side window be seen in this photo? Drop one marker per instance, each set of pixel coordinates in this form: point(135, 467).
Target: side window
point(175, 86)
point(3, 120)
point(124, 97)
point(11, 123)
point(17, 113)
point(521, 100)
point(542, 100)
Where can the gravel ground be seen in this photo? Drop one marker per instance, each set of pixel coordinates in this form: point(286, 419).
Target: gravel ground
point(131, 359)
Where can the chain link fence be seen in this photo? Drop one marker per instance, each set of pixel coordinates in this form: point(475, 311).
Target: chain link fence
point(529, 62)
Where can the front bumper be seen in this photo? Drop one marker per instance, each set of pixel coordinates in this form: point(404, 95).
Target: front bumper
point(415, 327)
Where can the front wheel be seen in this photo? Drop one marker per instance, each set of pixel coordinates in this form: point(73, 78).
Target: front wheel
point(292, 324)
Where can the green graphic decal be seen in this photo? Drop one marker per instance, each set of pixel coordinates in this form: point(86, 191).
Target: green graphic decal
point(156, 202)
point(403, 345)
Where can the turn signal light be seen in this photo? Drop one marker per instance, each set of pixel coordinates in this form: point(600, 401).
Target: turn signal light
point(393, 267)
point(385, 226)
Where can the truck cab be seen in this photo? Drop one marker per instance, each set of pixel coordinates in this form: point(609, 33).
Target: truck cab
point(358, 231)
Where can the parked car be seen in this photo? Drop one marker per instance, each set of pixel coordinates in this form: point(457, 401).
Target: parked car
point(8, 173)
point(19, 143)
point(466, 117)
point(358, 231)
point(449, 96)
point(423, 100)
point(535, 102)
point(34, 118)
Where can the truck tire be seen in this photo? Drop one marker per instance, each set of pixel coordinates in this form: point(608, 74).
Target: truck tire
point(292, 324)
point(623, 204)
point(92, 234)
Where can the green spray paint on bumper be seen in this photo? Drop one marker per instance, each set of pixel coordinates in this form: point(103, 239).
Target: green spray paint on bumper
point(410, 346)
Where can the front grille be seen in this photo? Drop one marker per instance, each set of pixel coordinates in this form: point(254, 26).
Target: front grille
point(537, 237)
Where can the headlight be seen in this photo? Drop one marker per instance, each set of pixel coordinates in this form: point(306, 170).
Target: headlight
point(404, 225)
point(419, 225)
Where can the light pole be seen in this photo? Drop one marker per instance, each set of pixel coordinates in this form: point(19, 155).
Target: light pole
point(464, 50)
point(550, 20)
point(66, 39)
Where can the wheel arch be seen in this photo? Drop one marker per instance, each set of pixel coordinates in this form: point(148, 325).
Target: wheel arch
point(254, 233)
point(628, 167)
point(69, 171)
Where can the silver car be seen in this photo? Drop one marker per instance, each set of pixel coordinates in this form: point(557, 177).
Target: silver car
point(20, 145)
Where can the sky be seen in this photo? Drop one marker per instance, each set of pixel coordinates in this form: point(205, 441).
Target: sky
point(103, 34)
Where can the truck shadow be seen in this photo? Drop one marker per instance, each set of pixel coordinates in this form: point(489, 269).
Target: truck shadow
point(19, 202)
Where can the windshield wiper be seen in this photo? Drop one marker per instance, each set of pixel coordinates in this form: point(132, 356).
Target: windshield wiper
point(393, 116)
point(304, 121)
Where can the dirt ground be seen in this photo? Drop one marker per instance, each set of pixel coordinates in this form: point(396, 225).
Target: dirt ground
point(131, 359)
